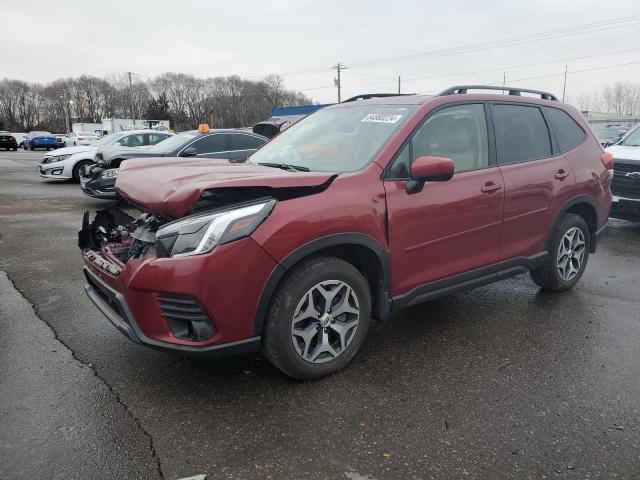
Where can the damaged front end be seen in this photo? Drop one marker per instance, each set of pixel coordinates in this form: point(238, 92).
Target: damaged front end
point(117, 234)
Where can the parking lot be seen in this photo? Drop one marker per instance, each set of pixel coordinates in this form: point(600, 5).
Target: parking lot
point(502, 381)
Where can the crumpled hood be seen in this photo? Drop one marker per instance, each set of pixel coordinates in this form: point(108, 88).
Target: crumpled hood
point(172, 185)
point(72, 150)
point(624, 152)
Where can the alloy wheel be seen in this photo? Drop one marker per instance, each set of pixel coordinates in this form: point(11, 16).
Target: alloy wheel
point(571, 253)
point(325, 321)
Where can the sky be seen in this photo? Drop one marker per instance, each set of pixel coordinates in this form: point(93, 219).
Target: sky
point(431, 45)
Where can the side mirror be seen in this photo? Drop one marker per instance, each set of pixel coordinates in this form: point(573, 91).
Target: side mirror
point(429, 169)
point(189, 152)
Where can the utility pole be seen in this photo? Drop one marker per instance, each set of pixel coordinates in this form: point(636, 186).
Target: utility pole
point(398, 84)
point(338, 67)
point(504, 80)
point(133, 115)
point(67, 114)
point(564, 87)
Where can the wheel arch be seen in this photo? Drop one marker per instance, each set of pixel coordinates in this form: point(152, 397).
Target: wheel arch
point(585, 207)
point(360, 250)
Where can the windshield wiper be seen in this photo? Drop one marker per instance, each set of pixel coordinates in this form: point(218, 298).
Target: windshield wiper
point(286, 166)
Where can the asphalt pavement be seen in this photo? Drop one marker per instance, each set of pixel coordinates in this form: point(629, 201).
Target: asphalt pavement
point(503, 381)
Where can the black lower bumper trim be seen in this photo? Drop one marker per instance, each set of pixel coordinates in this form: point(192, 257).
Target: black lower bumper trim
point(626, 209)
point(103, 296)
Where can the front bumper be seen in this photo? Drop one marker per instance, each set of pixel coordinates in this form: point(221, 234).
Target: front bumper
point(625, 208)
point(227, 283)
point(113, 306)
point(54, 171)
point(99, 188)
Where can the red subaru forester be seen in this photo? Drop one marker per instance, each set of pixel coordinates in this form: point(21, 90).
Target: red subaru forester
point(359, 209)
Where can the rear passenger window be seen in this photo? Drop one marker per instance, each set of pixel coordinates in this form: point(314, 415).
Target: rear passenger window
point(245, 142)
point(568, 132)
point(521, 134)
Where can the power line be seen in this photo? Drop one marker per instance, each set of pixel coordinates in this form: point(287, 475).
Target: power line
point(502, 68)
point(507, 42)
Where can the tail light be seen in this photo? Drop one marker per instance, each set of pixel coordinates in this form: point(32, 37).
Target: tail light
point(607, 160)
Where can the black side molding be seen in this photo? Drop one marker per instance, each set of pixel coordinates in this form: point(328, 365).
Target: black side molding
point(468, 280)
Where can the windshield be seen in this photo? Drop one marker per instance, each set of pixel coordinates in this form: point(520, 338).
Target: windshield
point(172, 143)
point(633, 139)
point(108, 139)
point(41, 134)
point(343, 139)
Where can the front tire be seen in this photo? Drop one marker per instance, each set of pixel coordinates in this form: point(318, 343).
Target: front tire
point(77, 167)
point(568, 255)
point(318, 318)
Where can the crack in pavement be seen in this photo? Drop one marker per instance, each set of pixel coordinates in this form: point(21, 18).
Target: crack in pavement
point(154, 453)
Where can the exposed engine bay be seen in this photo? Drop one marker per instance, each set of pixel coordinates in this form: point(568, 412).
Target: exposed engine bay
point(124, 231)
point(120, 231)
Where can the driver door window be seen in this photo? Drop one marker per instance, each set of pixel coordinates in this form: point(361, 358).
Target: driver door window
point(458, 133)
point(132, 141)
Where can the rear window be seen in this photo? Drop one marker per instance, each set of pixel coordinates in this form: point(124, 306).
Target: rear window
point(568, 132)
point(521, 134)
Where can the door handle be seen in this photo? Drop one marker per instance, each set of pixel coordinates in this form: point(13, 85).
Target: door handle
point(490, 187)
point(562, 174)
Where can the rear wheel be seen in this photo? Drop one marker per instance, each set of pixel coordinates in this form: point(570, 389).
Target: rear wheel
point(318, 318)
point(77, 168)
point(568, 255)
point(32, 148)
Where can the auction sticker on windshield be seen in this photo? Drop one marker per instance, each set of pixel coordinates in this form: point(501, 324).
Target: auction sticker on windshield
point(382, 118)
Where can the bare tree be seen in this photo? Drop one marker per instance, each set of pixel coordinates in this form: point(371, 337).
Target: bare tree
point(186, 99)
point(622, 98)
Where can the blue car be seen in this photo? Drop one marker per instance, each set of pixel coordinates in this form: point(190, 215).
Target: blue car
point(39, 140)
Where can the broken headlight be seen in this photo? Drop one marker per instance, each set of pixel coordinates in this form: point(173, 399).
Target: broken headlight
point(111, 173)
point(200, 233)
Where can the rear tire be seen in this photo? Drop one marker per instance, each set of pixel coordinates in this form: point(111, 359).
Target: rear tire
point(32, 148)
point(568, 255)
point(301, 337)
point(77, 167)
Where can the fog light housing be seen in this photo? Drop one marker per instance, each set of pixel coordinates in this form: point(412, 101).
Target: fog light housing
point(186, 318)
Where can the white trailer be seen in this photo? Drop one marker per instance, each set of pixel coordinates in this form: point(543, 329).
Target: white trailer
point(87, 127)
point(111, 125)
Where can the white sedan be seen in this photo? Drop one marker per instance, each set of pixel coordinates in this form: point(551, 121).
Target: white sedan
point(81, 138)
point(65, 163)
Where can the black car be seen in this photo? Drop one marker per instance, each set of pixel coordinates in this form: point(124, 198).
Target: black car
point(99, 180)
point(8, 141)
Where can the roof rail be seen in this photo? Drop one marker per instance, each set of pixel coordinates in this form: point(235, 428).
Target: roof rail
point(367, 96)
point(512, 91)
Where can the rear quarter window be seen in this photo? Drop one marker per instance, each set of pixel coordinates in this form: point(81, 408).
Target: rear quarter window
point(568, 133)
